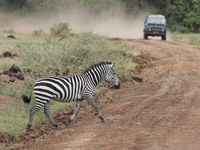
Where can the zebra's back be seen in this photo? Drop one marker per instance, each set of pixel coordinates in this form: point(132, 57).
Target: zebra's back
point(59, 88)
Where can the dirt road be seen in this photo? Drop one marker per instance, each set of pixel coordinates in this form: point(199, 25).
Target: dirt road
point(160, 113)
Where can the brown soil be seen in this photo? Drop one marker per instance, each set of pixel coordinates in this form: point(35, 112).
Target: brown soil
point(160, 111)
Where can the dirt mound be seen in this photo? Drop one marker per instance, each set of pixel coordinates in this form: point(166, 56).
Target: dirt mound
point(11, 37)
point(57, 72)
point(6, 138)
point(14, 71)
point(137, 79)
point(53, 71)
point(8, 54)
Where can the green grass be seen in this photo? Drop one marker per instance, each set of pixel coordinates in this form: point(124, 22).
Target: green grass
point(190, 38)
point(15, 119)
point(75, 53)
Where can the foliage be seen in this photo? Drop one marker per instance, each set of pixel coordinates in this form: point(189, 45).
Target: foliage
point(9, 31)
point(76, 54)
point(60, 29)
point(190, 38)
point(182, 16)
point(38, 32)
point(192, 19)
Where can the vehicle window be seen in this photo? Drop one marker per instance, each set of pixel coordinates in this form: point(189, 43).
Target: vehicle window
point(156, 20)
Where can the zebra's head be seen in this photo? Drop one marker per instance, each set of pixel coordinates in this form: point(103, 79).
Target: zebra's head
point(111, 76)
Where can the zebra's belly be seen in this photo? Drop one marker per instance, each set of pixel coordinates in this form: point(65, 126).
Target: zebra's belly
point(78, 97)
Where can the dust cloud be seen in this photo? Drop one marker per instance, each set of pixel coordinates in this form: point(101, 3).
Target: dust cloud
point(112, 22)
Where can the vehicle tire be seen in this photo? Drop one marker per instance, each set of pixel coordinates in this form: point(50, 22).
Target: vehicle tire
point(163, 37)
point(145, 36)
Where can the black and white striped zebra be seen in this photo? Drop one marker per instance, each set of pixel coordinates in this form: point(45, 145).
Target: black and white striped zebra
point(70, 88)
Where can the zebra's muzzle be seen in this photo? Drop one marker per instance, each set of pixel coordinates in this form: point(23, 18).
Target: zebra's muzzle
point(117, 86)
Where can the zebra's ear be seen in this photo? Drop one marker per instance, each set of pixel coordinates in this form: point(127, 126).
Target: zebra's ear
point(112, 64)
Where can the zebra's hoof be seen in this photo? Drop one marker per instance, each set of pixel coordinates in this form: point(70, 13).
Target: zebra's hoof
point(58, 127)
point(104, 121)
point(28, 127)
point(68, 123)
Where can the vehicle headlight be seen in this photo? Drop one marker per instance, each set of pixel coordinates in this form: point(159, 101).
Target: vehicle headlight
point(163, 30)
point(149, 29)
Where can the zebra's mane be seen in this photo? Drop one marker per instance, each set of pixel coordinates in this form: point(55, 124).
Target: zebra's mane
point(97, 65)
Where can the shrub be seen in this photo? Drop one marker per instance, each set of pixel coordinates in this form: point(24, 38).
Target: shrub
point(75, 54)
point(38, 32)
point(60, 30)
point(10, 31)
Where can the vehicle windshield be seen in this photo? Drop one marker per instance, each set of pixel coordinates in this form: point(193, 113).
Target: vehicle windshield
point(156, 20)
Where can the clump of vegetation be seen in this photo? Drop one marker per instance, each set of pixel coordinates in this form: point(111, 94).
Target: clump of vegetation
point(10, 31)
point(189, 38)
point(60, 30)
point(38, 32)
point(76, 54)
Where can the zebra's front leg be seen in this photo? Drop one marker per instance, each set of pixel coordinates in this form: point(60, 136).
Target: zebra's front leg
point(76, 111)
point(94, 105)
point(48, 114)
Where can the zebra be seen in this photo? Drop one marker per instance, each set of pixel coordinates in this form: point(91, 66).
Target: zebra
point(70, 88)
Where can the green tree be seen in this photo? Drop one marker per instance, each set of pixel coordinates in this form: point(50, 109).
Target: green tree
point(192, 19)
point(181, 15)
point(17, 3)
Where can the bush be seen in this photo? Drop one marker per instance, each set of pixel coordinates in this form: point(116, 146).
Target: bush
point(10, 31)
point(38, 32)
point(75, 54)
point(180, 29)
point(60, 30)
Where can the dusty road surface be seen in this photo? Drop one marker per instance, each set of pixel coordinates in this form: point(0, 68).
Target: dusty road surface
point(160, 113)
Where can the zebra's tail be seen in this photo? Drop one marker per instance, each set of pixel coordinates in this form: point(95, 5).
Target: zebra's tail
point(27, 99)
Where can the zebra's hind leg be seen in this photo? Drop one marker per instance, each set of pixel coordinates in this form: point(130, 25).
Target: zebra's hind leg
point(33, 110)
point(76, 111)
point(48, 114)
point(94, 105)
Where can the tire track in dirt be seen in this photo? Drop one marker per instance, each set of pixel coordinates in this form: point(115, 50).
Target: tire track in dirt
point(180, 98)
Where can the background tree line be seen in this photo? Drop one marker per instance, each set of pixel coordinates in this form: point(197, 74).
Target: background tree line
point(181, 15)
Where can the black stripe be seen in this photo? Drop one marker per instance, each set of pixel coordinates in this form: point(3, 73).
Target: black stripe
point(48, 85)
point(71, 92)
point(92, 78)
point(39, 94)
point(44, 90)
point(59, 84)
point(97, 73)
point(78, 85)
point(67, 82)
